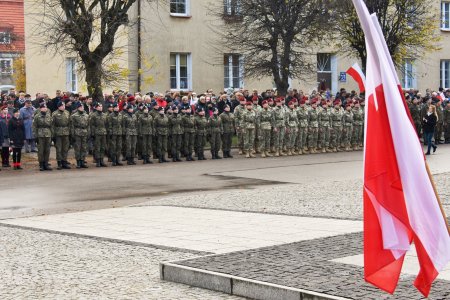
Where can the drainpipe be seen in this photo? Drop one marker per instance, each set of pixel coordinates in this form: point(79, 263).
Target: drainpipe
point(139, 60)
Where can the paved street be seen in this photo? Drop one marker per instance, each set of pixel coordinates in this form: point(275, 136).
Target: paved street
point(107, 240)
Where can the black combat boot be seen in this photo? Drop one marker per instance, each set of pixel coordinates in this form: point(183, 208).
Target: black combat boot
point(65, 165)
point(97, 163)
point(213, 155)
point(78, 164)
point(59, 165)
point(164, 159)
point(144, 160)
point(83, 164)
point(129, 161)
point(178, 157)
point(217, 155)
point(41, 167)
point(47, 167)
point(224, 153)
point(229, 154)
point(174, 157)
point(102, 164)
point(114, 161)
point(118, 163)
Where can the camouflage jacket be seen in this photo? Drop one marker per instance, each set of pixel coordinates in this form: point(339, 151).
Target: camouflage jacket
point(61, 123)
point(313, 118)
point(447, 115)
point(79, 124)
point(188, 122)
point(145, 125)
point(115, 124)
point(238, 114)
point(227, 122)
point(214, 124)
point(414, 110)
point(348, 118)
point(98, 122)
point(302, 116)
point(161, 125)
point(336, 117)
point(42, 125)
point(440, 114)
point(291, 118)
point(201, 125)
point(279, 115)
point(266, 119)
point(358, 116)
point(130, 124)
point(325, 117)
point(175, 124)
point(249, 119)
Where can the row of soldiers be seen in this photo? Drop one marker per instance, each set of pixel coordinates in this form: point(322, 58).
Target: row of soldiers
point(301, 127)
point(134, 130)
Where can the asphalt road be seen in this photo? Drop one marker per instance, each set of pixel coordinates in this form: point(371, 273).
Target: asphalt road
point(30, 192)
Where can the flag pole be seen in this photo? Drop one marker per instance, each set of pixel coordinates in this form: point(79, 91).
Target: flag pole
point(437, 197)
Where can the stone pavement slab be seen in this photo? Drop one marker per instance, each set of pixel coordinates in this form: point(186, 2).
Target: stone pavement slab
point(309, 265)
point(203, 230)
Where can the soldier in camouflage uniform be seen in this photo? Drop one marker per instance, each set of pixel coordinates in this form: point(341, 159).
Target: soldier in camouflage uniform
point(139, 145)
point(447, 123)
point(358, 125)
point(79, 130)
point(324, 127)
point(215, 134)
point(123, 147)
point(313, 133)
point(238, 116)
point(176, 132)
point(302, 117)
point(347, 121)
point(227, 129)
point(169, 135)
point(248, 124)
point(201, 131)
point(414, 110)
point(129, 127)
point(161, 125)
point(114, 129)
point(440, 123)
point(97, 123)
point(257, 109)
point(292, 127)
point(266, 123)
point(146, 132)
point(61, 133)
point(279, 127)
point(336, 126)
point(187, 122)
point(42, 131)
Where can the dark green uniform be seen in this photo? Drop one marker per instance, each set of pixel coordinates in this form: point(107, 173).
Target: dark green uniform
point(129, 127)
point(176, 133)
point(215, 134)
point(447, 124)
point(97, 123)
point(79, 130)
point(227, 129)
point(115, 136)
point(439, 125)
point(201, 131)
point(139, 145)
point(42, 131)
point(61, 133)
point(414, 110)
point(124, 138)
point(161, 124)
point(188, 122)
point(146, 132)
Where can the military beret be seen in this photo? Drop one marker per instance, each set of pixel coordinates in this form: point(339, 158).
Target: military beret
point(129, 106)
point(200, 109)
point(140, 105)
point(270, 100)
point(278, 100)
point(131, 98)
point(303, 101)
point(348, 105)
point(78, 105)
point(291, 103)
point(42, 105)
point(336, 102)
point(110, 105)
point(324, 102)
point(265, 102)
point(3, 107)
point(174, 107)
point(314, 101)
point(97, 104)
point(249, 103)
point(161, 109)
point(255, 98)
point(59, 104)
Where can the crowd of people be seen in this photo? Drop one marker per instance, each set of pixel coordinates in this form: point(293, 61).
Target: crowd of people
point(124, 126)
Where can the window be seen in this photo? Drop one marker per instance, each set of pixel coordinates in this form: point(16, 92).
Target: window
point(5, 37)
point(6, 66)
point(445, 74)
point(408, 74)
point(180, 71)
point(179, 7)
point(233, 71)
point(445, 11)
point(71, 75)
point(232, 8)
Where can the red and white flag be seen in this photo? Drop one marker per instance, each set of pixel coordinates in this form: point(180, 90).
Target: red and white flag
point(358, 75)
point(400, 204)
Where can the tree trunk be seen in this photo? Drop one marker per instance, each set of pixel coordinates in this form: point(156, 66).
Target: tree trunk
point(282, 87)
point(94, 80)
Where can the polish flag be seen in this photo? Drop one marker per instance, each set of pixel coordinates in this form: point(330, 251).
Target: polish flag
point(401, 206)
point(358, 75)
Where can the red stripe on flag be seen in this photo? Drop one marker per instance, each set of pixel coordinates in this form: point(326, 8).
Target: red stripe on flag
point(357, 77)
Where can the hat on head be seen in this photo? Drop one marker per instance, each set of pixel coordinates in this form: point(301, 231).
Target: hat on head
point(42, 105)
point(78, 105)
point(131, 98)
point(324, 102)
point(314, 101)
point(249, 103)
point(59, 104)
point(302, 101)
point(97, 104)
point(265, 102)
point(255, 98)
point(278, 100)
point(336, 102)
point(291, 103)
point(348, 105)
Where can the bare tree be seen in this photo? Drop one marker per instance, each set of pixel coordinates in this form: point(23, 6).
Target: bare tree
point(409, 27)
point(90, 29)
point(275, 37)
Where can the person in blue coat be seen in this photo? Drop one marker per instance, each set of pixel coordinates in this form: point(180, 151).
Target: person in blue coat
point(27, 114)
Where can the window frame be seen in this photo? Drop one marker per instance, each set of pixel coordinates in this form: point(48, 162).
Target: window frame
point(11, 63)
point(177, 70)
point(232, 8)
point(409, 76)
point(443, 77)
point(6, 39)
point(230, 71)
point(445, 12)
point(72, 76)
point(187, 13)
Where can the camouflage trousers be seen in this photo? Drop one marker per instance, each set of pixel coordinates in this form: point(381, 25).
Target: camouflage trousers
point(139, 147)
point(279, 137)
point(176, 144)
point(215, 141)
point(44, 144)
point(438, 132)
point(80, 146)
point(301, 141)
point(99, 146)
point(249, 138)
point(418, 127)
point(257, 142)
point(447, 132)
point(292, 137)
point(161, 145)
point(347, 135)
point(336, 137)
point(324, 137)
point(147, 144)
point(188, 142)
point(357, 135)
point(62, 144)
point(131, 145)
point(201, 142)
point(115, 146)
point(313, 135)
point(240, 138)
point(169, 144)
point(227, 139)
point(266, 135)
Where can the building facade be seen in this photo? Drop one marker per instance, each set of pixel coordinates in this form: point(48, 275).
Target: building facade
point(12, 39)
point(180, 51)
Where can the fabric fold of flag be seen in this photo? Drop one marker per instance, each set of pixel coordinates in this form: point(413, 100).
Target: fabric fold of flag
point(400, 204)
point(357, 74)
